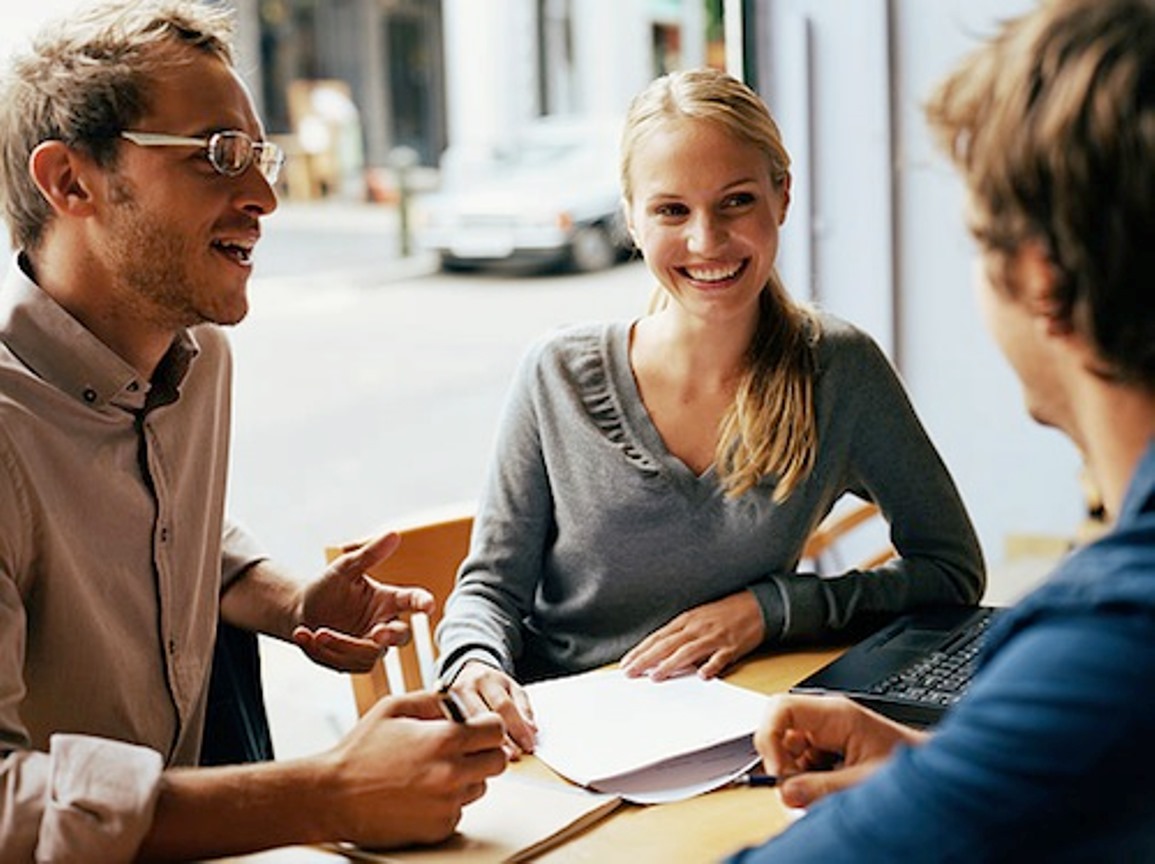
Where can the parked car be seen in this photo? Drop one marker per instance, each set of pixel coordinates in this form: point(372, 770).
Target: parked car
point(551, 197)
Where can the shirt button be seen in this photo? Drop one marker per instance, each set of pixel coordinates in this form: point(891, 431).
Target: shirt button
point(164, 535)
point(133, 386)
point(89, 395)
point(172, 647)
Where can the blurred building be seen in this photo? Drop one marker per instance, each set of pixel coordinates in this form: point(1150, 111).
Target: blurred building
point(427, 74)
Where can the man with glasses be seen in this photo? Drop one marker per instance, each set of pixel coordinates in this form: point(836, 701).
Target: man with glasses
point(135, 178)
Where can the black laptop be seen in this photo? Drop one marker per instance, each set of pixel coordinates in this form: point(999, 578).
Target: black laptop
point(914, 668)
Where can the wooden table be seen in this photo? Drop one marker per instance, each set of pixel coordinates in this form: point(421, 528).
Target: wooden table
point(705, 828)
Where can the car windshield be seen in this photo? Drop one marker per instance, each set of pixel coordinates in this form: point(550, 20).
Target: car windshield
point(533, 154)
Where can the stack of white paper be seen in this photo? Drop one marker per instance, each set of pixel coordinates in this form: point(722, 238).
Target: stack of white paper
point(647, 741)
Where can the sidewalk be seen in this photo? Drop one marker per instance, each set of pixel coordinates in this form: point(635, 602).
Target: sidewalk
point(345, 241)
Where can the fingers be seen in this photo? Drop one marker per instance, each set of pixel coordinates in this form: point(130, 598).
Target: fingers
point(422, 769)
point(817, 745)
point(674, 654)
point(420, 705)
point(356, 558)
point(338, 650)
point(472, 792)
point(684, 659)
point(710, 637)
point(485, 688)
point(518, 719)
point(668, 651)
point(639, 658)
point(386, 634)
point(412, 599)
point(480, 736)
point(715, 664)
point(800, 731)
point(803, 790)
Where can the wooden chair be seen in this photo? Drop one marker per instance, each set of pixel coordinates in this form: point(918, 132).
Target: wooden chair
point(823, 547)
point(431, 550)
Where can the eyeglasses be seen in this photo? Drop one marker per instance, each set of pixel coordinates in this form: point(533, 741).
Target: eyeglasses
point(230, 152)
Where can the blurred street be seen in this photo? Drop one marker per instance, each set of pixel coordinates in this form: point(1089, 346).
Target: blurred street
point(368, 388)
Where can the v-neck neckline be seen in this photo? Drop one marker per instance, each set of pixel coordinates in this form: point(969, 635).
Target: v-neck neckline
point(637, 417)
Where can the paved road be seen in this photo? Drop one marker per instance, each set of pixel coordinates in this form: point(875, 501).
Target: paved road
point(363, 394)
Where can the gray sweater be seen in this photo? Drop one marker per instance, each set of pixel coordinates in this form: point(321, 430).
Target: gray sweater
point(590, 534)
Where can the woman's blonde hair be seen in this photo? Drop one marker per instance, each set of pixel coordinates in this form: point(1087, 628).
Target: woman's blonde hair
point(771, 430)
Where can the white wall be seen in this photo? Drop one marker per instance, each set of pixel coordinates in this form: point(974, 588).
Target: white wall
point(836, 247)
point(23, 19)
point(887, 248)
point(611, 29)
point(1016, 476)
point(491, 65)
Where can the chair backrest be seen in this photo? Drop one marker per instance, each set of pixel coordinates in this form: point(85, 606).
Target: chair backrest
point(824, 547)
point(431, 550)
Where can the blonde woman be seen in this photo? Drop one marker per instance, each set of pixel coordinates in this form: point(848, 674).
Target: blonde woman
point(655, 480)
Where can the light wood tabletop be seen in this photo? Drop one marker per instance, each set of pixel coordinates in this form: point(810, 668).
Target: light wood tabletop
point(701, 829)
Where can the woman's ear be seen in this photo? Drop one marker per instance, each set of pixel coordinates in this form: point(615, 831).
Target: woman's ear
point(785, 198)
point(628, 219)
point(62, 176)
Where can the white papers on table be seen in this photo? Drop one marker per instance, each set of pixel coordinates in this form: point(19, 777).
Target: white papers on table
point(646, 741)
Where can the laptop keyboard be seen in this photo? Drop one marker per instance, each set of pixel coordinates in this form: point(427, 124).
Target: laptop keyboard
point(941, 677)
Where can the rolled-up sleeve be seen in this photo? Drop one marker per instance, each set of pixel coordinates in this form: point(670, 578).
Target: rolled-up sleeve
point(239, 552)
point(87, 799)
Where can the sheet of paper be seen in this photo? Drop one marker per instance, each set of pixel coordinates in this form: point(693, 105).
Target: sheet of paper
point(602, 724)
point(685, 776)
point(517, 818)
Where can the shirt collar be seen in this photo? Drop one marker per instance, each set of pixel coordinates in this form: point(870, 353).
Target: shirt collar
point(1140, 497)
point(61, 351)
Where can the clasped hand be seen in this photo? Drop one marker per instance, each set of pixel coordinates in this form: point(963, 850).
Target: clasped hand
point(817, 745)
point(347, 619)
point(403, 774)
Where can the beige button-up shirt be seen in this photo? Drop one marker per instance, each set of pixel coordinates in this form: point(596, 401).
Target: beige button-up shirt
point(114, 549)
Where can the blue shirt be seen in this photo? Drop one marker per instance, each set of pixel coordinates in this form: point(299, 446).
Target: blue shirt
point(1050, 755)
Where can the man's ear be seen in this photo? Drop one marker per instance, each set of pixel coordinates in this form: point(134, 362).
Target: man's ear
point(63, 177)
point(1037, 277)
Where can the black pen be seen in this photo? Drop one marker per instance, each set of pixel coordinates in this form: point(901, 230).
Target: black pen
point(755, 780)
point(450, 707)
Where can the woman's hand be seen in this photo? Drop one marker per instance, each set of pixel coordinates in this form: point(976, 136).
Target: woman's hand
point(709, 637)
point(816, 745)
point(481, 687)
